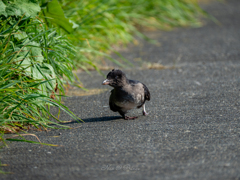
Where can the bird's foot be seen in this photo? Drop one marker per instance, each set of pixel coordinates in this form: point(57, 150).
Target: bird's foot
point(130, 118)
point(145, 113)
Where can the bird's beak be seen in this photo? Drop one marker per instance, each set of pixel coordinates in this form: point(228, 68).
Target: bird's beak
point(105, 82)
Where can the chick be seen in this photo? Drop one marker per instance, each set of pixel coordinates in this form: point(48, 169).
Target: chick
point(127, 94)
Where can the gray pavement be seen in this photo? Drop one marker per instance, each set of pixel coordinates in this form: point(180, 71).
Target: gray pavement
point(193, 127)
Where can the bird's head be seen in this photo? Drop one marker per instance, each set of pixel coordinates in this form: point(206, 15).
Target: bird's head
point(115, 78)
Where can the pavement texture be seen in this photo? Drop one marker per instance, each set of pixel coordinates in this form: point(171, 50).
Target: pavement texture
point(193, 127)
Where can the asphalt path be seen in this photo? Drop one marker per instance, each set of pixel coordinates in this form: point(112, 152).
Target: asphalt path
point(193, 127)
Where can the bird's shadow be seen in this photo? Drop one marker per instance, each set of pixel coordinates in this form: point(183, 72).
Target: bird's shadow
point(95, 119)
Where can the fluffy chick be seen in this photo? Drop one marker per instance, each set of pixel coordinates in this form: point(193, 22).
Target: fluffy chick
point(127, 94)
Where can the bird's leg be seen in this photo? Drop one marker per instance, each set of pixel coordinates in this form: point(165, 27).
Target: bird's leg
point(130, 118)
point(144, 110)
point(126, 117)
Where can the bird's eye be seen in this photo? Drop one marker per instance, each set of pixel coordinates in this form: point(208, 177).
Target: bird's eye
point(116, 77)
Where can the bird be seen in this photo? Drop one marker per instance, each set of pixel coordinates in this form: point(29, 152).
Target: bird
point(127, 94)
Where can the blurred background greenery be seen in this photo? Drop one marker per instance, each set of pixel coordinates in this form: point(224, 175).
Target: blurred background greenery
point(100, 24)
point(42, 40)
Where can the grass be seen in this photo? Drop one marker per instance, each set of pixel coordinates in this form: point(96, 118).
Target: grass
point(32, 68)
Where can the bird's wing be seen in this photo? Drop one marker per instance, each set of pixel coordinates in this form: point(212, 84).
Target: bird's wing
point(112, 105)
point(146, 93)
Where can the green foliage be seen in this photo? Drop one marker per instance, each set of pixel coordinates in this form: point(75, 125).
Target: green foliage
point(53, 12)
point(19, 7)
point(34, 63)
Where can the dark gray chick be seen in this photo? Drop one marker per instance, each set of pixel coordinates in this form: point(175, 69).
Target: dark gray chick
point(127, 94)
